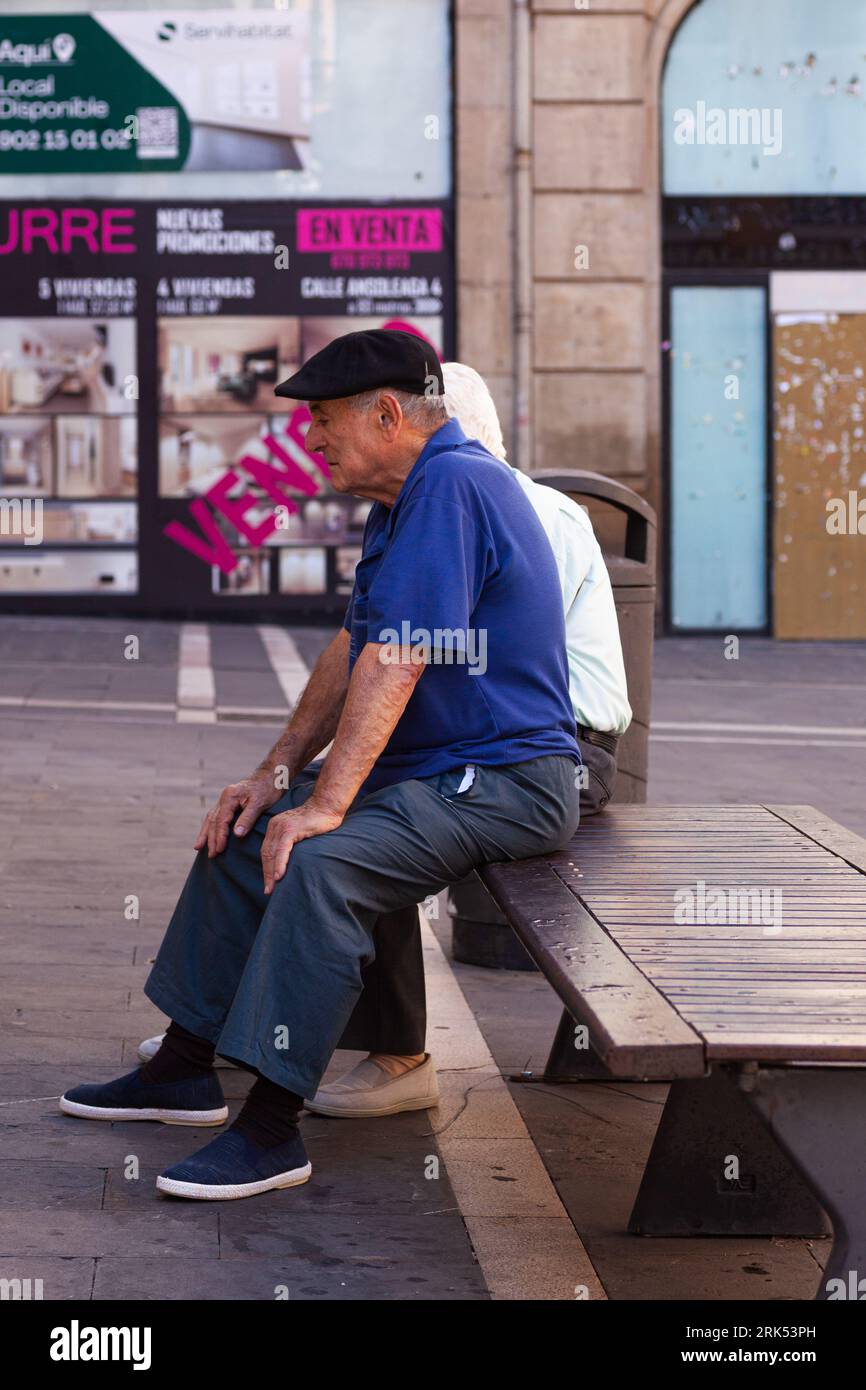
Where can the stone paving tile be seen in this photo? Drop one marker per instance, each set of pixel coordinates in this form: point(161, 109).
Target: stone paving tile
point(48, 1134)
point(80, 992)
point(410, 1241)
point(242, 672)
point(18, 682)
point(772, 683)
point(163, 1231)
point(66, 1277)
point(85, 1052)
point(715, 1270)
point(361, 1179)
point(312, 641)
point(43, 1185)
point(297, 1278)
point(21, 1083)
point(53, 951)
point(533, 1258)
point(75, 1024)
point(98, 976)
point(234, 688)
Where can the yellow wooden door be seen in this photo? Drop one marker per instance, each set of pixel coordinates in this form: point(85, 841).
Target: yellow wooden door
point(819, 555)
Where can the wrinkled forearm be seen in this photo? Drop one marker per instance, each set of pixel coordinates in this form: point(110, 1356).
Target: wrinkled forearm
point(377, 696)
point(317, 713)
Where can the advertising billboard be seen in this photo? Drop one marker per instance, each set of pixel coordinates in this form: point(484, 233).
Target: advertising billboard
point(143, 455)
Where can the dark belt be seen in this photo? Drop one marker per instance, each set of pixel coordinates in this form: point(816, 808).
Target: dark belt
point(606, 741)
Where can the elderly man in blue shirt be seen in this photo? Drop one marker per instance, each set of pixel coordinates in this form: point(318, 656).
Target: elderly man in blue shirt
point(445, 699)
point(390, 1020)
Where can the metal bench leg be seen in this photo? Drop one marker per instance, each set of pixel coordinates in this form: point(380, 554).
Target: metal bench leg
point(569, 1063)
point(818, 1116)
point(714, 1169)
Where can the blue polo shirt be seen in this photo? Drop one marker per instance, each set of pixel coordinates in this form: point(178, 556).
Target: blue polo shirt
point(461, 568)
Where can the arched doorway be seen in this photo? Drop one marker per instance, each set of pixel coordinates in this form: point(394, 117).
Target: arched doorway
point(763, 154)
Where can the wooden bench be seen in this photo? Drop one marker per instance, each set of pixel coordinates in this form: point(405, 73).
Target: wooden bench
point(759, 1023)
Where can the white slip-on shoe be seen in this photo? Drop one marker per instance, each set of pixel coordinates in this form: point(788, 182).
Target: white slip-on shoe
point(367, 1091)
point(149, 1048)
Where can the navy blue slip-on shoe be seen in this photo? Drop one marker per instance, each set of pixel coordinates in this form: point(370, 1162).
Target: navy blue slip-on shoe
point(197, 1101)
point(233, 1166)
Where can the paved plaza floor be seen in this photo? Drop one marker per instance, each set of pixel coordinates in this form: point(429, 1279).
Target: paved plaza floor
point(511, 1189)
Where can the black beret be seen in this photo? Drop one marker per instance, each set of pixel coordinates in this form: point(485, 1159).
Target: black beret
point(362, 361)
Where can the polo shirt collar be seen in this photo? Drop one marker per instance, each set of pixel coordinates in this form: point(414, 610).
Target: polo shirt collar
point(448, 436)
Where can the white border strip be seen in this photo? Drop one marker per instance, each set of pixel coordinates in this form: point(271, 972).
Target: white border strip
point(838, 743)
point(825, 730)
point(196, 692)
point(522, 1235)
point(286, 661)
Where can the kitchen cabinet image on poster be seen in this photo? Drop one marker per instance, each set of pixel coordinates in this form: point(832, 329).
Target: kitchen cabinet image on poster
point(196, 451)
point(213, 460)
point(84, 523)
point(250, 575)
point(68, 456)
point(69, 572)
point(328, 517)
point(67, 365)
point(225, 364)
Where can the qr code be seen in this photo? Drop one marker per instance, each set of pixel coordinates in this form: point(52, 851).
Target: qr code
point(157, 132)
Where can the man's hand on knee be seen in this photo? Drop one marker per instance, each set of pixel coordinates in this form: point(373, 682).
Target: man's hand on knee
point(251, 797)
point(288, 829)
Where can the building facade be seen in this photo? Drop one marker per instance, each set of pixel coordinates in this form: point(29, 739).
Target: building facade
point(660, 250)
point(641, 220)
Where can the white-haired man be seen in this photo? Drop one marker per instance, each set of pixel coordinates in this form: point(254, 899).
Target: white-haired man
point(394, 1002)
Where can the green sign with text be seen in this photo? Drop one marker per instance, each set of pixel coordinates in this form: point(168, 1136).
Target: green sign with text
point(147, 91)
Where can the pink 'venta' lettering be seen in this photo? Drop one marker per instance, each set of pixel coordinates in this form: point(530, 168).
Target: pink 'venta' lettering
point(236, 508)
point(218, 553)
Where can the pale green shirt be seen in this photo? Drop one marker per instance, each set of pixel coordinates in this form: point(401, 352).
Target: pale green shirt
point(596, 672)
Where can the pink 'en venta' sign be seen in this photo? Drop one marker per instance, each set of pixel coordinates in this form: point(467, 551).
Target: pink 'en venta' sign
point(369, 229)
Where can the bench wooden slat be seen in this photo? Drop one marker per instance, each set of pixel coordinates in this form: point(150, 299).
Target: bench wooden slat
point(632, 1027)
point(750, 993)
point(825, 832)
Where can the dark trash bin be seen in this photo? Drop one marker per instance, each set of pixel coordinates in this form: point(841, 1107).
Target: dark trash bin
point(480, 934)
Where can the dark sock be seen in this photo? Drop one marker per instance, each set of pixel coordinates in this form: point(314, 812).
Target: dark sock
point(269, 1115)
point(181, 1057)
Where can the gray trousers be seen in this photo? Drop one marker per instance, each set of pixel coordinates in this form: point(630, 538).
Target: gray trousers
point(273, 982)
point(391, 1014)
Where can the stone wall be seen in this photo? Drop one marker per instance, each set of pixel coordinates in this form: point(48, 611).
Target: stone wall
point(595, 74)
